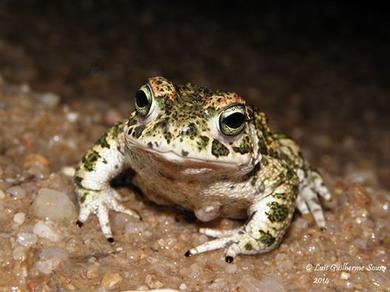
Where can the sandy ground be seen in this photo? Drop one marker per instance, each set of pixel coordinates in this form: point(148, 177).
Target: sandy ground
point(66, 78)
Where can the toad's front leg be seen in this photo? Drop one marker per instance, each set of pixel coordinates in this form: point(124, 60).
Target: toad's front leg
point(269, 218)
point(92, 179)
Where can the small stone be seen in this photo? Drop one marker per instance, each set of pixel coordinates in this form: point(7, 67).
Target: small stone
point(47, 266)
point(68, 171)
point(182, 287)
point(72, 116)
point(92, 271)
point(49, 99)
point(53, 205)
point(2, 194)
point(344, 275)
point(19, 253)
point(26, 239)
point(50, 258)
point(134, 227)
point(17, 192)
point(47, 231)
point(19, 218)
point(111, 280)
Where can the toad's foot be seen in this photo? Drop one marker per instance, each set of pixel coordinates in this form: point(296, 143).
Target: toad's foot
point(312, 186)
point(226, 238)
point(99, 203)
point(237, 241)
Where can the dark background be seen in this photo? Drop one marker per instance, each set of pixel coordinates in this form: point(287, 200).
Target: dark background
point(333, 55)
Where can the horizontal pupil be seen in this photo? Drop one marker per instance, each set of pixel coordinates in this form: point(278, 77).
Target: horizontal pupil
point(235, 120)
point(140, 99)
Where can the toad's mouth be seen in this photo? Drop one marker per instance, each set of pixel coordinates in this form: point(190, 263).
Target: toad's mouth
point(173, 157)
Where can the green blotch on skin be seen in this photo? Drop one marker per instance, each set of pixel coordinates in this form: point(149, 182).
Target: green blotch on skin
point(192, 130)
point(164, 125)
point(295, 189)
point(203, 142)
point(248, 246)
point(277, 212)
point(83, 197)
point(168, 137)
point(279, 195)
point(77, 180)
point(245, 146)
point(262, 146)
point(116, 130)
point(138, 131)
point(218, 149)
point(103, 141)
point(290, 173)
point(266, 238)
point(132, 121)
point(90, 160)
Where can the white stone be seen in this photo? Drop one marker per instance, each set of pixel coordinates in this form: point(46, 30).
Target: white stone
point(17, 192)
point(47, 266)
point(26, 239)
point(68, 171)
point(183, 286)
point(344, 275)
point(49, 99)
point(47, 231)
point(72, 117)
point(53, 205)
point(50, 258)
point(19, 218)
point(2, 194)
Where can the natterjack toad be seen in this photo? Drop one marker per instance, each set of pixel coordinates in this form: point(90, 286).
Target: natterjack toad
point(206, 151)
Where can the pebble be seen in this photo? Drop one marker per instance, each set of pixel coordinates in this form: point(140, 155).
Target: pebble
point(19, 218)
point(49, 99)
point(111, 280)
point(68, 171)
point(47, 231)
point(53, 205)
point(72, 116)
point(26, 239)
point(17, 192)
point(50, 258)
point(2, 194)
point(19, 253)
point(344, 275)
point(183, 286)
point(134, 227)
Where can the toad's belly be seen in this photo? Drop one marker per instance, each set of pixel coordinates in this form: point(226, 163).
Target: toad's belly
point(227, 198)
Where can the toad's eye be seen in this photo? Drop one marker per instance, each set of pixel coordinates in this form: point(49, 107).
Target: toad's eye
point(232, 120)
point(143, 100)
